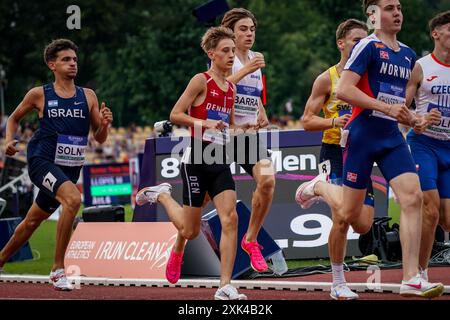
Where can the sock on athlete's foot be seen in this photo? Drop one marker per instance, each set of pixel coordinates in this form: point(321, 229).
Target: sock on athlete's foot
point(338, 273)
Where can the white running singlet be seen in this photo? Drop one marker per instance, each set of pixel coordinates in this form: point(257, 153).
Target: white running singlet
point(247, 95)
point(434, 92)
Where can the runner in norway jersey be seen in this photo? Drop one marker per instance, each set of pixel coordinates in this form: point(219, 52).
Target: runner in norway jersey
point(372, 135)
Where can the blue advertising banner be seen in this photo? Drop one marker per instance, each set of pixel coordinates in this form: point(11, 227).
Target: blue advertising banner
point(295, 155)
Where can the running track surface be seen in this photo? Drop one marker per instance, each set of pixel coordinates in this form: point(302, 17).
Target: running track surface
point(45, 291)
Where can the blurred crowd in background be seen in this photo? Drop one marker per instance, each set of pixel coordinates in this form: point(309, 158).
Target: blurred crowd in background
point(123, 143)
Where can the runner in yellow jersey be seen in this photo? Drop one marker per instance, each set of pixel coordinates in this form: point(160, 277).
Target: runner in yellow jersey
point(336, 110)
point(336, 114)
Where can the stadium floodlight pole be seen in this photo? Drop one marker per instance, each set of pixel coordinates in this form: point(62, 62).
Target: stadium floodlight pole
point(2, 82)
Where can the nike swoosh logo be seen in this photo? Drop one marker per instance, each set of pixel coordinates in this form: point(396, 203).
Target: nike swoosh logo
point(78, 103)
point(416, 286)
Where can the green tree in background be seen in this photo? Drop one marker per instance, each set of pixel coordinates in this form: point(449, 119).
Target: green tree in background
point(139, 55)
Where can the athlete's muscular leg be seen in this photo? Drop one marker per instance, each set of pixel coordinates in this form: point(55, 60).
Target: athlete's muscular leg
point(331, 193)
point(225, 203)
point(407, 189)
point(444, 219)
point(430, 220)
point(186, 220)
point(352, 211)
point(23, 232)
point(70, 199)
point(337, 240)
point(263, 173)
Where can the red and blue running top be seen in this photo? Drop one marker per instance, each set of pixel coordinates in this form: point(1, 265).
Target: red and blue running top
point(384, 73)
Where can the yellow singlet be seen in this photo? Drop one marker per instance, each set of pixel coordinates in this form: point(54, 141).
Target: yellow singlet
point(334, 108)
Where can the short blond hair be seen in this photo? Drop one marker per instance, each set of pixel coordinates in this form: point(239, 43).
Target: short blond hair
point(214, 35)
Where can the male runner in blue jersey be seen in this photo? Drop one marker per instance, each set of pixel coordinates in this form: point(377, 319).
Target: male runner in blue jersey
point(336, 115)
point(56, 152)
point(430, 86)
point(374, 83)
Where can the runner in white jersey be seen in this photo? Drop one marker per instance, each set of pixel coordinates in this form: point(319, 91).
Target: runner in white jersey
point(249, 152)
point(430, 88)
point(249, 90)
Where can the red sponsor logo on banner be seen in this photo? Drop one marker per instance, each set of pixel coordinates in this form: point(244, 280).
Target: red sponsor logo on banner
point(121, 250)
point(352, 177)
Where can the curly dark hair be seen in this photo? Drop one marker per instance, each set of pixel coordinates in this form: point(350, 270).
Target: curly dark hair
point(52, 49)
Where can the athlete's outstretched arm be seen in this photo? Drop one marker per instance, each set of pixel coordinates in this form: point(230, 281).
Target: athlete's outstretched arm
point(100, 119)
point(348, 91)
point(190, 96)
point(29, 102)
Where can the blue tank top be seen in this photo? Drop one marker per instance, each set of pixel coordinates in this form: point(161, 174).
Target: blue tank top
point(384, 76)
point(63, 129)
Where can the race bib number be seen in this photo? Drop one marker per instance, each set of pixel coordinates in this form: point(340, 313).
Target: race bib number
point(246, 105)
point(389, 94)
point(325, 167)
point(70, 150)
point(218, 136)
point(441, 131)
